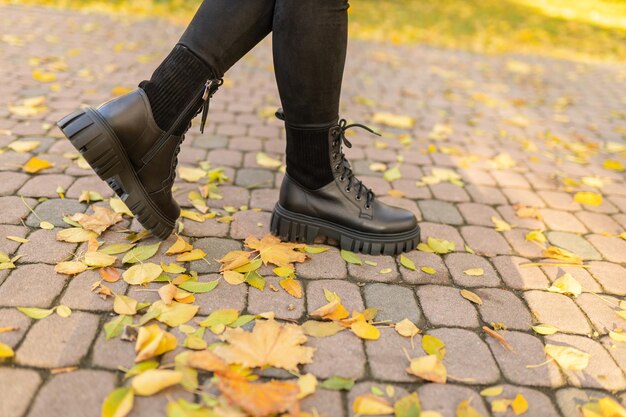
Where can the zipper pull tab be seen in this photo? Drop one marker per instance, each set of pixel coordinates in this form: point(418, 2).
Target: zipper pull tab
point(210, 88)
point(205, 112)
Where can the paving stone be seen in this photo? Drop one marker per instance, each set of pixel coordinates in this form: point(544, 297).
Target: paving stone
point(557, 310)
point(502, 306)
point(527, 350)
point(155, 405)
point(477, 214)
point(559, 200)
point(325, 265)
point(602, 372)
point(35, 285)
point(428, 260)
point(280, 302)
point(246, 223)
point(14, 210)
point(55, 251)
point(467, 356)
point(17, 389)
point(210, 227)
point(440, 212)
point(458, 263)
point(617, 350)
point(54, 210)
point(231, 196)
point(509, 214)
point(65, 394)
point(45, 185)
point(10, 182)
point(324, 402)
point(525, 197)
point(485, 241)
point(574, 243)
point(9, 246)
point(252, 177)
point(539, 404)
point(365, 388)
point(387, 358)
point(610, 276)
point(601, 310)
point(410, 190)
point(486, 195)
point(370, 273)
point(265, 199)
point(444, 399)
point(348, 292)
point(396, 303)
point(215, 248)
point(580, 274)
point(510, 179)
point(570, 399)
point(112, 353)
point(562, 221)
point(89, 183)
point(449, 192)
point(79, 294)
point(521, 246)
point(15, 319)
point(67, 341)
point(612, 248)
point(347, 362)
point(599, 223)
point(223, 296)
point(442, 231)
point(520, 277)
point(444, 306)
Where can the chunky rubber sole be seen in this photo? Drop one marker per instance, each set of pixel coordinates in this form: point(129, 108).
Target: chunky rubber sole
point(92, 136)
point(297, 227)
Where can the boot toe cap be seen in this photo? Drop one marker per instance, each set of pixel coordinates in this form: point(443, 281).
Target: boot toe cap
point(395, 219)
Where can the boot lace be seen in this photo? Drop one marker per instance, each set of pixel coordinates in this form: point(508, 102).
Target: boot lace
point(344, 167)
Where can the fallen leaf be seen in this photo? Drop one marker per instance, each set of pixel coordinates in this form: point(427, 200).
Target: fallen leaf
point(117, 248)
point(142, 273)
point(351, 257)
point(119, 207)
point(545, 329)
point(292, 287)
point(70, 268)
point(407, 263)
point(99, 259)
point(338, 383)
point(272, 250)
point(321, 328)
point(191, 174)
point(192, 255)
point(433, 346)
point(110, 274)
point(611, 408)
point(264, 160)
point(364, 330)
point(154, 380)
point(371, 405)
point(174, 314)
point(473, 297)
point(118, 403)
point(393, 120)
point(269, 344)
point(63, 311)
point(588, 198)
point(123, 304)
point(261, 399)
point(99, 221)
point(36, 313)
point(492, 391)
point(429, 368)
point(428, 270)
point(153, 341)
point(501, 225)
point(75, 235)
point(567, 357)
point(307, 384)
point(613, 165)
point(115, 327)
point(464, 409)
point(618, 336)
point(234, 278)
point(498, 337)
point(519, 405)
point(561, 254)
point(408, 406)
point(406, 328)
point(34, 165)
point(199, 287)
point(474, 272)
point(141, 253)
point(392, 174)
point(23, 146)
point(566, 284)
point(6, 351)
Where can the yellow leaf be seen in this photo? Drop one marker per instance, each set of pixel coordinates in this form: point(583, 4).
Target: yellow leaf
point(473, 297)
point(392, 174)
point(191, 174)
point(154, 380)
point(474, 272)
point(46, 225)
point(153, 341)
point(264, 160)
point(588, 197)
point(371, 405)
point(99, 259)
point(234, 278)
point(433, 346)
point(321, 329)
point(118, 206)
point(123, 304)
point(99, 221)
point(406, 328)
point(44, 77)
point(142, 273)
point(331, 311)
point(6, 351)
point(428, 270)
point(35, 165)
point(175, 313)
point(566, 284)
point(562, 255)
point(429, 368)
point(192, 255)
point(567, 357)
point(610, 408)
point(63, 311)
point(118, 403)
point(70, 268)
point(407, 263)
point(36, 313)
point(23, 145)
point(464, 409)
point(618, 336)
point(536, 236)
point(500, 224)
point(440, 246)
point(180, 246)
point(364, 330)
point(545, 329)
point(172, 268)
point(272, 250)
point(192, 215)
point(613, 165)
point(269, 344)
point(492, 391)
point(307, 384)
point(519, 405)
point(259, 399)
point(75, 235)
point(292, 287)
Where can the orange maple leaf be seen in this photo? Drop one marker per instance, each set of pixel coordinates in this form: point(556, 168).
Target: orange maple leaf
point(273, 251)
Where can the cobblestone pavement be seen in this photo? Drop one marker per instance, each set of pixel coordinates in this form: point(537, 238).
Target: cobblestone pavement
point(517, 129)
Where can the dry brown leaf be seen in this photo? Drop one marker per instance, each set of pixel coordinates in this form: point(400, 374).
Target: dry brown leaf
point(498, 337)
point(110, 274)
point(99, 221)
point(473, 297)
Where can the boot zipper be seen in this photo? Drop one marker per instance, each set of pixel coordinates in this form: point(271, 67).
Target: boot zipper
point(210, 88)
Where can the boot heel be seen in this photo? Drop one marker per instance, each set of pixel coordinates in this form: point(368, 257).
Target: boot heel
point(92, 139)
point(292, 230)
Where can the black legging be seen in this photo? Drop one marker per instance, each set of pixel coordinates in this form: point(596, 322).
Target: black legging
point(309, 48)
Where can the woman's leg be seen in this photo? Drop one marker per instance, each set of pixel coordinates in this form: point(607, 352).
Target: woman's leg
point(320, 194)
point(310, 38)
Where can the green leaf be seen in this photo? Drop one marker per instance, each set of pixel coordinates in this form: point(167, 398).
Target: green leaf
point(199, 287)
point(377, 391)
point(141, 253)
point(351, 257)
point(141, 367)
point(255, 280)
point(118, 403)
point(315, 249)
point(115, 327)
point(407, 263)
point(242, 320)
point(408, 406)
point(36, 313)
point(284, 271)
point(433, 346)
point(225, 317)
point(338, 383)
point(117, 248)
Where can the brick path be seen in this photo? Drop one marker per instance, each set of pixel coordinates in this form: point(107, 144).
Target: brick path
point(544, 114)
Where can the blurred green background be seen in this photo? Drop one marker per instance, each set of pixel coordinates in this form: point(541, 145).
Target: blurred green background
point(572, 29)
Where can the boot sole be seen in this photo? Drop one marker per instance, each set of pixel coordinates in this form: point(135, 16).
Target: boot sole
point(92, 136)
point(302, 228)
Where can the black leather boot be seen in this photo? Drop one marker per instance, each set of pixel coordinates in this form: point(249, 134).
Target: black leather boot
point(344, 209)
point(125, 147)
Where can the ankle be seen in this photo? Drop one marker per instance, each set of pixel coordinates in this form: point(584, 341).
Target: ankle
point(308, 159)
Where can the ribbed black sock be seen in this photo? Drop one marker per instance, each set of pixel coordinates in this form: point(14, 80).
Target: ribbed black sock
point(173, 85)
point(308, 160)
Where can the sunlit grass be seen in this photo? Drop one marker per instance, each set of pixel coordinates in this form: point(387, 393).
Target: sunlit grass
point(574, 29)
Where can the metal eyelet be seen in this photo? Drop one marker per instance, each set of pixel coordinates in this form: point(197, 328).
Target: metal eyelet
point(367, 207)
point(337, 167)
point(347, 189)
point(357, 198)
point(341, 178)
